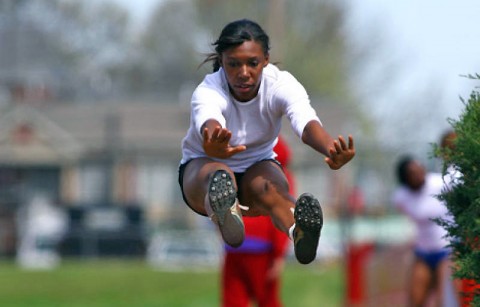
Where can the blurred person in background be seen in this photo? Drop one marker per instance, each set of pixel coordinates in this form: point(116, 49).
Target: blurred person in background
point(252, 271)
point(416, 197)
point(228, 167)
point(447, 145)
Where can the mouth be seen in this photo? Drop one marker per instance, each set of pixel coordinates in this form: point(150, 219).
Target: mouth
point(243, 92)
point(243, 87)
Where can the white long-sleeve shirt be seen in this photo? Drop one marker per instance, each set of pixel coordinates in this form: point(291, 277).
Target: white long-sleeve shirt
point(256, 123)
point(421, 207)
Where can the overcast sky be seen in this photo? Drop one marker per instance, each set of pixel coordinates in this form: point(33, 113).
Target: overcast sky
point(437, 39)
point(432, 43)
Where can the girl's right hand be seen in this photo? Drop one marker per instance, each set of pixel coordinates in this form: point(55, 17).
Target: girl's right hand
point(217, 145)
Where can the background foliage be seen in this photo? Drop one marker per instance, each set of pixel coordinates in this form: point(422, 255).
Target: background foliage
point(463, 198)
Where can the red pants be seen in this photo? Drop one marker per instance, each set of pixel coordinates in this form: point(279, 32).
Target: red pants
point(245, 279)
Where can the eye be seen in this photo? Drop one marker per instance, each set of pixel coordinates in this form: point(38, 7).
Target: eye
point(253, 63)
point(233, 64)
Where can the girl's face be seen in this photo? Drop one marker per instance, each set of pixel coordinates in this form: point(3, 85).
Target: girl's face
point(243, 66)
point(415, 175)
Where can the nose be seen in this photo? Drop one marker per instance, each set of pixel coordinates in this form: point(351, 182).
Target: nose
point(243, 72)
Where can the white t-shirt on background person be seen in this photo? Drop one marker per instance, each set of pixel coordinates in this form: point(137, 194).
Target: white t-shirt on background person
point(421, 207)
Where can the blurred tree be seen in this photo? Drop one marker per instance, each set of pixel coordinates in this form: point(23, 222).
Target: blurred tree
point(315, 48)
point(168, 58)
point(70, 48)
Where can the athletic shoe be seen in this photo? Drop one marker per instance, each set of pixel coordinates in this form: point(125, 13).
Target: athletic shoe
point(222, 208)
point(308, 224)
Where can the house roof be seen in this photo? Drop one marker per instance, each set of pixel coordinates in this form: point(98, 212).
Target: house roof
point(51, 134)
point(134, 127)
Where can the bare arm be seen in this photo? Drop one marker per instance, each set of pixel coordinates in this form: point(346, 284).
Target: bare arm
point(337, 152)
point(216, 141)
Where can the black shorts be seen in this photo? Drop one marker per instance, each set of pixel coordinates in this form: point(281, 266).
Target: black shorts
point(238, 179)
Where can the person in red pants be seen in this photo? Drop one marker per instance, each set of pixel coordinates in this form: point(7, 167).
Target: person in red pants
point(251, 273)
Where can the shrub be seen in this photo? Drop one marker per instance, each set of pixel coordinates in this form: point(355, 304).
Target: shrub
point(462, 198)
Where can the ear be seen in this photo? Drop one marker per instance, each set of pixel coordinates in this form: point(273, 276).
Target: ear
point(267, 60)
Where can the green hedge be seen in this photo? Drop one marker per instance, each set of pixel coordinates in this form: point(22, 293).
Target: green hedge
point(463, 198)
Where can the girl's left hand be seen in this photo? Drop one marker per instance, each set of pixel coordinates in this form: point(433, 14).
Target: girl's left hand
point(340, 153)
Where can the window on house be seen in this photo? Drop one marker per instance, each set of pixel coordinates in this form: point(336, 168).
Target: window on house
point(155, 183)
point(93, 188)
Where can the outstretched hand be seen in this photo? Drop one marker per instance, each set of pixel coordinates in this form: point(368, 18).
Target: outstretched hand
point(340, 153)
point(217, 145)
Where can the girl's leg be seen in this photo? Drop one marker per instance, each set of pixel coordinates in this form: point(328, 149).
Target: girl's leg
point(420, 283)
point(210, 189)
point(265, 191)
point(441, 278)
point(196, 180)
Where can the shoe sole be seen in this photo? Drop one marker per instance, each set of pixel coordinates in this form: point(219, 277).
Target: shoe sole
point(309, 219)
point(222, 196)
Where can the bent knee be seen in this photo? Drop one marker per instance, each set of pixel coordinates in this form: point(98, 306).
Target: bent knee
point(266, 191)
point(262, 187)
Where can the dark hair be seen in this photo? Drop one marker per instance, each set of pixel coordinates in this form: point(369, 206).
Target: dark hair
point(402, 166)
point(235, 34)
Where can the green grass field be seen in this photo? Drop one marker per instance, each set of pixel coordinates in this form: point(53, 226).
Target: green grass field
point(133, 283)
